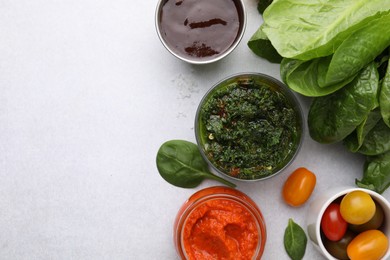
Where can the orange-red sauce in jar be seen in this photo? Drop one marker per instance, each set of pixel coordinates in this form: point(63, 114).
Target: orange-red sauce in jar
point(220, 223)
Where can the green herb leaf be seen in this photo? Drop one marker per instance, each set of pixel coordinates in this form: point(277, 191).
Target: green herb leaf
point(376, 174)
point(384, 96)
point(344, 61)
point(262, 5)
point(295, 240)
point(312, 28)
point(377, 140)
point(180, 163)
point(355, 140)
point(333, 117)
point(304, 76)
point(262, 47)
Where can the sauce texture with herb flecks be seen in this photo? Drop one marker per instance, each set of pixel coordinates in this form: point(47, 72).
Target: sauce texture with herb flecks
point(249, 130)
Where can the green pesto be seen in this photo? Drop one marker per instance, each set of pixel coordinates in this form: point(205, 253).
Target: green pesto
point(249, 129)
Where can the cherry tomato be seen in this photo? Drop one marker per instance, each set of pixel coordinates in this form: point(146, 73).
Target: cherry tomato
point(332, 223)
point(357, 207)
point(298, 187)
point(338, 249)
point(374, 223)
point(371, 244)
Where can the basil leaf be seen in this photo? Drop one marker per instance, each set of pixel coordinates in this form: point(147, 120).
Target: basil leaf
point(295, 240)
point(180, 163)
point(376, 175)
point(333, 117)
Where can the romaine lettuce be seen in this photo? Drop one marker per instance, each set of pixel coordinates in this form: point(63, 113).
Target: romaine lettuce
point(308, 29)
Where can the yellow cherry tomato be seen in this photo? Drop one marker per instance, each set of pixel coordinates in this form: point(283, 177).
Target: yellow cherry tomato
point(374, 223)
point(298, 187)
point(368, 245)
point(357, 207)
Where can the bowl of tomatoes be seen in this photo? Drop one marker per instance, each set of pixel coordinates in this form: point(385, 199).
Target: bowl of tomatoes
point(350, 223)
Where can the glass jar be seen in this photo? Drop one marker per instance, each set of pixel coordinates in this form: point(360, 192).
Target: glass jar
point(254, 138)
point(219, 222)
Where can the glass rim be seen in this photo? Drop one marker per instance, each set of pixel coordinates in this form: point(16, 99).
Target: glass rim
point(215, 193)
point(288, 93)
point(200, 61)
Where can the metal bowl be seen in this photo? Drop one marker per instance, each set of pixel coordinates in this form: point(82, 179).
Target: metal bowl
point(195, 33)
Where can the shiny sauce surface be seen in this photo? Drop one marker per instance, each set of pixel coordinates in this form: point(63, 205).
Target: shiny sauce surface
point(220, 229)
point(200, 28)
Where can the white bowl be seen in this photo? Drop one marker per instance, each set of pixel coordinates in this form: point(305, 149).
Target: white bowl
point(322, 201)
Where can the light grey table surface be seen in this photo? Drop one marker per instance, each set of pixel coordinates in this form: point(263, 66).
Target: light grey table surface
point(87, 96)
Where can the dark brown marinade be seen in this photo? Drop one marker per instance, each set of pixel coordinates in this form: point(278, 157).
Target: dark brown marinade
point(200, 28)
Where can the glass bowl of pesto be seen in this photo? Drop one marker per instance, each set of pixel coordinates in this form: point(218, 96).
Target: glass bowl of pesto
point(249, 126)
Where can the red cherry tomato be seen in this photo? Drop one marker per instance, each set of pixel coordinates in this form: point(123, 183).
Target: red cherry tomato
point(298, 187)
point(332, 223)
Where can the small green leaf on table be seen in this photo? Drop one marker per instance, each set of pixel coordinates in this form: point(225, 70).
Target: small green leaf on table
point(180, 163)
point(295, 240)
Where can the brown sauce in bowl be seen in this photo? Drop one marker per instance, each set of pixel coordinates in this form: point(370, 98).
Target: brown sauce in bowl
point(200, 29)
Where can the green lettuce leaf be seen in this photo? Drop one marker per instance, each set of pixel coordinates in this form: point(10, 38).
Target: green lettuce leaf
point(359, 49)
point(384, 97)
point(376, 175)
point(262, 5)
point(262, 46)
point(308, 29)
point(325, 75)
point(377, 140)
point(303, 76)
point(355, 140)
point(333, 117)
